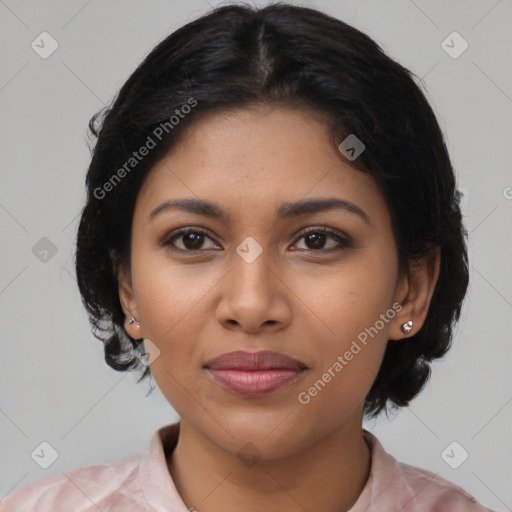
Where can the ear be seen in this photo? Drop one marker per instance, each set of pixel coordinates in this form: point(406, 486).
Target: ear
point(414, 292)
point(126, 296)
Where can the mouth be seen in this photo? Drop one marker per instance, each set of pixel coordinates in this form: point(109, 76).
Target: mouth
point(255, 373)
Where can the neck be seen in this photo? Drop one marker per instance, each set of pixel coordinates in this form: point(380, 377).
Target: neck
point(326, 476)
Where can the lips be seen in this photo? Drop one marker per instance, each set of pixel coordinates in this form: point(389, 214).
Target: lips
point(251, 361)
point(254, 374)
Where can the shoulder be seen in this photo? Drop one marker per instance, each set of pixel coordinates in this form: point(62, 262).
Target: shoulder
point(415, 489)
point(436, 493)
point(89, 488)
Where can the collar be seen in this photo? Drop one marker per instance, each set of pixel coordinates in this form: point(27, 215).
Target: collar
point(157, 484)
point(161, 493)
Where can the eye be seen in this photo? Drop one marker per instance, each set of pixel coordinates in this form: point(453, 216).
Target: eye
point(192, 239)
point(316, 238)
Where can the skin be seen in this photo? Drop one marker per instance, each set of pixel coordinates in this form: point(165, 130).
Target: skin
point(297, 298)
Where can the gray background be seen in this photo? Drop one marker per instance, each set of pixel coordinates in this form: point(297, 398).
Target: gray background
point(54, 384)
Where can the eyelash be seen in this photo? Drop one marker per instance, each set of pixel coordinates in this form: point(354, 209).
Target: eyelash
point(344, 243)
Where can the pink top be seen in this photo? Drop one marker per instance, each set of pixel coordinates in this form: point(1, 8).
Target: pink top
point(142, 483)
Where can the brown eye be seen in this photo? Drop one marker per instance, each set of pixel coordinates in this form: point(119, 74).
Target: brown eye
point(316, 239)
point(189, 240)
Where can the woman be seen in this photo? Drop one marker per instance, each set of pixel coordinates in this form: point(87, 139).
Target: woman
point(272, 232)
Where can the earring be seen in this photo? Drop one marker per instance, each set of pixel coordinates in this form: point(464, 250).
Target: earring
point(131, 321)
point(406, 328)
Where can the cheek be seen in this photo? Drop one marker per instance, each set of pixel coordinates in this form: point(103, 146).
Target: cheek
point(168, 293)
point(351, 297)
point(348, 360)
point(355, 305)
point(169, 305)
point(173, 309)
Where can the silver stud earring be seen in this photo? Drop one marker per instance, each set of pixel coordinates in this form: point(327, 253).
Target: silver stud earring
point(132, 321)
point(406, 327)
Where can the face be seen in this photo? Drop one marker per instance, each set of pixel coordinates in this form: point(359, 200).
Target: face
point(308, 284)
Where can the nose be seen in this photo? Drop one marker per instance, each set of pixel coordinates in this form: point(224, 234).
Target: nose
point(254, 297)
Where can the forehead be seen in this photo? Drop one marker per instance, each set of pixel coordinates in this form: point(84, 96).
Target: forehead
point(255, 159)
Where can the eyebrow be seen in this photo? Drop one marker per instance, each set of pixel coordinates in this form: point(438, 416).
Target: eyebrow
point(285, 211)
